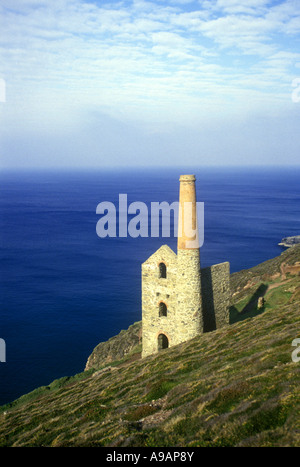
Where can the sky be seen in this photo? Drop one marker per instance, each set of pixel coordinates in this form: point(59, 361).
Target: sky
point(149, 83)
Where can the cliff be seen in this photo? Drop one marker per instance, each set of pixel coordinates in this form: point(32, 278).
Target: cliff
point(125, 344)
point(237, 386)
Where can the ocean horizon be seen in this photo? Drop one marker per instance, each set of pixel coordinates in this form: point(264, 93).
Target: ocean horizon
point(64, 289)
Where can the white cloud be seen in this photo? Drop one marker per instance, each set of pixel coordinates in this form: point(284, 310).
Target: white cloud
point(143, 61)
point(253, 7)
point(239, 32)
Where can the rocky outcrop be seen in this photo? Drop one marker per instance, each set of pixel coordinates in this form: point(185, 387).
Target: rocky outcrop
point(290, 241)
point(124, 344)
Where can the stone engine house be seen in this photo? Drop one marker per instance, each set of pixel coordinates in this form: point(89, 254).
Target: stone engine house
point(179, 299)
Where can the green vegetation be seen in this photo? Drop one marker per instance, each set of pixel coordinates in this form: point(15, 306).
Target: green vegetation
point(236, 386)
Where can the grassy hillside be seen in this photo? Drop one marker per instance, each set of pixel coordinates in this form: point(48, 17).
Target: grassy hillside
point(237, 386)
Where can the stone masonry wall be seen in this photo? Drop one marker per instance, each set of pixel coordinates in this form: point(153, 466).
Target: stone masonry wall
point(188, 288)
point(215, 296)
point(195, 302)
point(154, 291)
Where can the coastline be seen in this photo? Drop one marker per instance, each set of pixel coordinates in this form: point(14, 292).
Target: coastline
point(288, 242)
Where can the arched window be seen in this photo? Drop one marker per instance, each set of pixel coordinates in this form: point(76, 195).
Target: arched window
point(163, 342)
point(162, 270)
point(163, 311)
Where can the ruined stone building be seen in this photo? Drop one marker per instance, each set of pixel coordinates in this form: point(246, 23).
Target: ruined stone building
point(179, 299)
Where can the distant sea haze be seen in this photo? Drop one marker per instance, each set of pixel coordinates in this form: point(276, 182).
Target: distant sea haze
point(64, 289)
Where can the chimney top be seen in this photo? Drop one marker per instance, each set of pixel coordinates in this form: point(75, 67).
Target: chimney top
point(187, 178)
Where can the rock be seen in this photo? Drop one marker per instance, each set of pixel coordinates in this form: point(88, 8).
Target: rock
point(289, 241)
point(115, 348)
point(260, 303)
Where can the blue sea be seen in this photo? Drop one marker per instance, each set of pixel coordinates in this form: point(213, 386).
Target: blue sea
point(64, 289)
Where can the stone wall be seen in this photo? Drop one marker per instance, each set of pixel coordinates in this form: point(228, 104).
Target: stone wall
point(194, 302)
point(154, 291)
point(188, 288)
point(215, 296)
